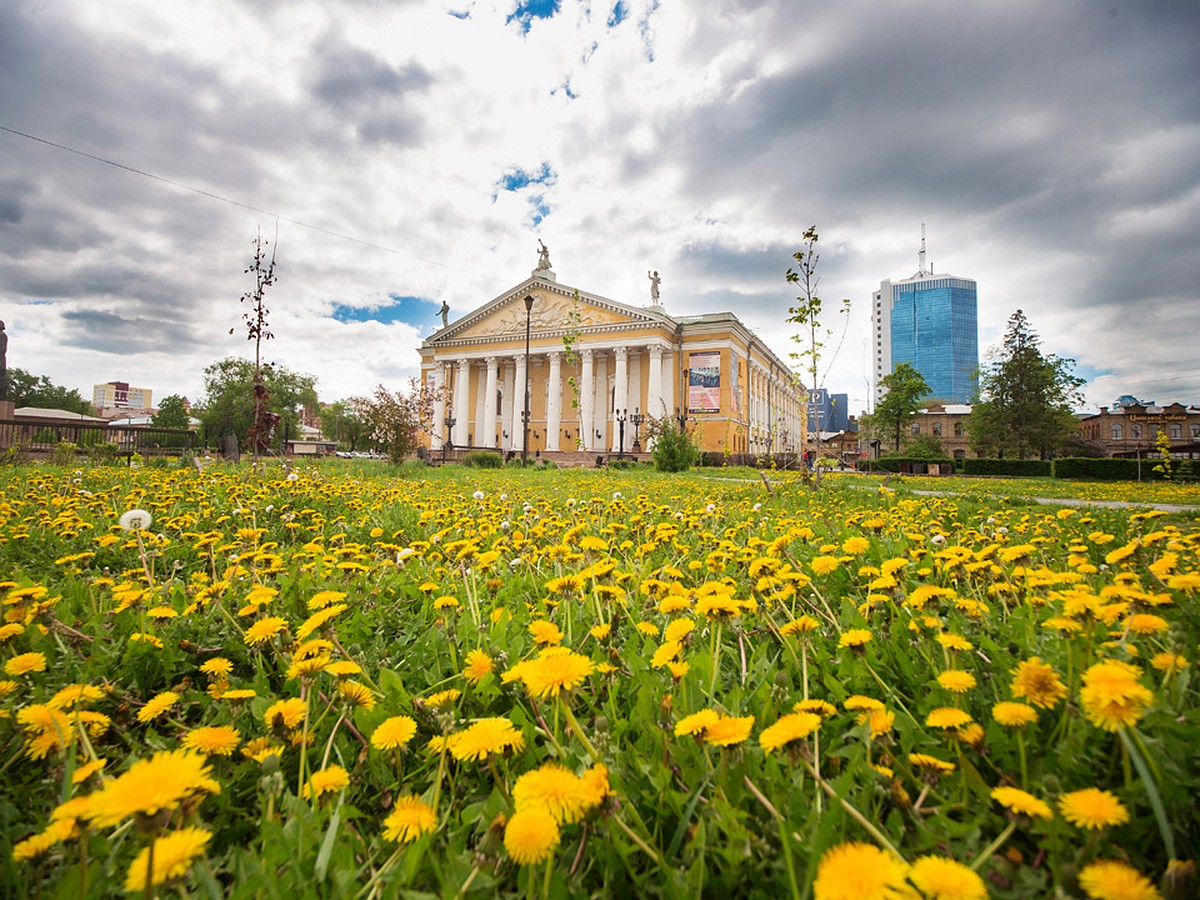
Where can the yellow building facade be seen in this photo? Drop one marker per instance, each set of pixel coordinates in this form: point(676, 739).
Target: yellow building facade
point(592, 362)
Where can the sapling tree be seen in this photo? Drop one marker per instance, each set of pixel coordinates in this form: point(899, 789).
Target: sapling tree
point(813, 335)
point(258, 330)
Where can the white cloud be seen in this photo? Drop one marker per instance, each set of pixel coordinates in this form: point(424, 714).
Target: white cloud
point(1052, 153)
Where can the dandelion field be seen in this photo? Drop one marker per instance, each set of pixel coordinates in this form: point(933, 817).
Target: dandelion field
point(372, 683)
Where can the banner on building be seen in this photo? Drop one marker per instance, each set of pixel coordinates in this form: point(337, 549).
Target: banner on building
point(704, 383)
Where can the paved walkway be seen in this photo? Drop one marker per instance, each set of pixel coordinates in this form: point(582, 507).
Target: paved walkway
point(1052, 501)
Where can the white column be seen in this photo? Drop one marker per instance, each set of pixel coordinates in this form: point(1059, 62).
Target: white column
point(554, 399)
point(506, 407)
point(654, 394)
point(587, 396)
point(517, 430)
point(621, 391)
point(600, 404)
point(487, 427)
point(462, 397)
point(438, 438)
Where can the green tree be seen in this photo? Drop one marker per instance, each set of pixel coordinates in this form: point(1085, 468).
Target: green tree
point(396, 420)
point(674, 448)
point(340, 422)
point(905, 388)
point(807, 314)
point(229, 398)
point(172, 413)
point(1027, 399)
point(25, 389)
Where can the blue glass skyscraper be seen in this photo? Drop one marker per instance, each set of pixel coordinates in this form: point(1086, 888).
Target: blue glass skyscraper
point(930, 322)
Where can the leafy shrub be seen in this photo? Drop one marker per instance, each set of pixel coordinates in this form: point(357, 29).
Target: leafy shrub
point(1017, 468)
point(64, 454)
point(675, 448)
point(909, 465)
point(484, 459)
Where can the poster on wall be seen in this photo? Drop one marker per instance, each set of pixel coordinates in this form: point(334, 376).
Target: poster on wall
point(704, 383)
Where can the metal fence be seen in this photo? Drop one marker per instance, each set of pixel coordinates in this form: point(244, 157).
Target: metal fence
point(44, 435)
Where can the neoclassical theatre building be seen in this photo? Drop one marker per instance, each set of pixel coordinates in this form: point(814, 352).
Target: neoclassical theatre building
point(593, 363)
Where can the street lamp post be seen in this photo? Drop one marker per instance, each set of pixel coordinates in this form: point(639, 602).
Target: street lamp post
point(637, 419)
point(621, 416)
point(525, 414)
point(450, 421)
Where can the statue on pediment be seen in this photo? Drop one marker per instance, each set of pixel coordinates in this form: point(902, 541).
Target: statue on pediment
point(655, 281)
point(543, 255)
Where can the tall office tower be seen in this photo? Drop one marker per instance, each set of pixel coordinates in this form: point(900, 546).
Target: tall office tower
point(930, 322)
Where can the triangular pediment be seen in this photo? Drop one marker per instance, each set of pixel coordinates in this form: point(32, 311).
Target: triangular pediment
point(555, 309)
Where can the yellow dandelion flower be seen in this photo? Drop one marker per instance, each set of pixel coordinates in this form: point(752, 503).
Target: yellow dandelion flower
point(822, 708)
point(157, 705)
point(823, 565)
point(1168, 662)
point(217, 667)
point(1037, 682)
point(856, 545)
point(1092, 808)
point(803, 625)
point(947, 717)
point(955, 642)
point(1022, 802)
point(857, 871)
point(393, 733)
point(264, 629)
point(357, 694)
point(1112, 696)
point(86, 771)
point(410, 818)
point(665, 654)
point(1110, 879)
point(485, 737)
point(855, 637)
point(1014, 715)
point(318, 619)
point(697, 722)
point(679, 629)
point(956, 681)
point(728, 730)
point(555, 789)
point(602, 631)
point(213, 740)
point(162, 782)
point(792, 727)
point(321, 599)
point(931, 763)
point(289, 713)
point(25, 663)
point(545, 633)
point(941, 878)
point(443, 698)
point(531, 836)
point(478, 666)
point(329, 780)
point(550, 674)
point(173, 856)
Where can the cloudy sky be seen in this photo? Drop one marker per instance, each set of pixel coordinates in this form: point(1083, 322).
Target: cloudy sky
point(413, 151)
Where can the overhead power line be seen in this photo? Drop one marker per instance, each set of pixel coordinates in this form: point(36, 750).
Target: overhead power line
point(266, 212)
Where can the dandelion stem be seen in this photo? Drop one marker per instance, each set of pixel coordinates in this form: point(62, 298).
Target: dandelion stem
point(716, 650)
point(1024, 764)
point(858, 817)
point(993, 846)
point(783, 834)
point(574, 723)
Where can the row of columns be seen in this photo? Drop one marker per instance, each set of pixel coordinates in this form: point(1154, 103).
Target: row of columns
point(774, 412)
point(593, 366)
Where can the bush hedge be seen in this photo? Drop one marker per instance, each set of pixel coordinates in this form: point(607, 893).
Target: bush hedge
point(1017, 468)
point(483, 459)
point(1123, 469)
point(910, 465)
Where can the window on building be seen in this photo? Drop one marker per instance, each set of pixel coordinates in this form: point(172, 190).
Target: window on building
point(499, 402)
point(937, 429)
point(958, 429)
point(1135, 431)
point(1176, 431)
point(1116, 432)
point(960, 454)
point(916, 427)
point(1195, 432)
